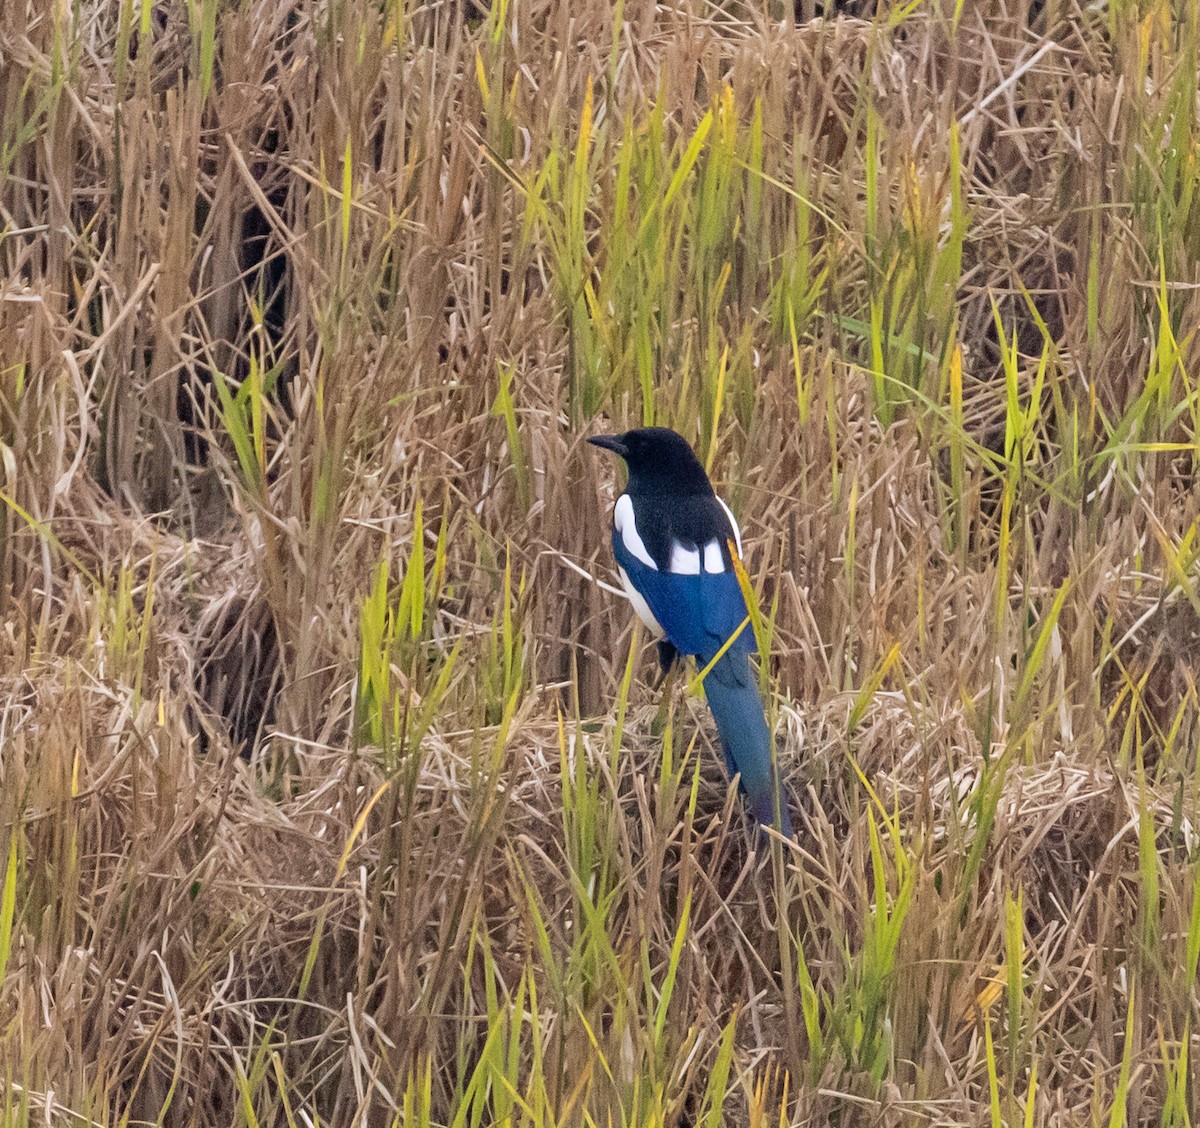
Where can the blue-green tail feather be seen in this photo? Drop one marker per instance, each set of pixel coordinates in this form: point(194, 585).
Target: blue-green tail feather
point(736, 706)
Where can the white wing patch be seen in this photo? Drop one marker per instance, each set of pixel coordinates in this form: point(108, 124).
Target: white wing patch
point(687, 561)
point(640, 605)
point(624, 523)
point(684, 561)
point(737, 533)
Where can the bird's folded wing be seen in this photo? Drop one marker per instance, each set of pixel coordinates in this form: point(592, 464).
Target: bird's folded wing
point(697, 612)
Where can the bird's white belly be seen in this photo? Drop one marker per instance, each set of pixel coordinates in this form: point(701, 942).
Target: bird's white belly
point(640, 605)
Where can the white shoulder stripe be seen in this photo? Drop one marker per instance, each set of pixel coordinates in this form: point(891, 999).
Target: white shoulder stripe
point(640, 605)
point(737, 533)
point(626, 527)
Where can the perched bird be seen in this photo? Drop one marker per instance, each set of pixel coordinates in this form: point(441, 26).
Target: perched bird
point(674, 539)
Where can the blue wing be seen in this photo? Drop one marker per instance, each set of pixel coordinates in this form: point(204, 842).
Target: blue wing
point(696, 612)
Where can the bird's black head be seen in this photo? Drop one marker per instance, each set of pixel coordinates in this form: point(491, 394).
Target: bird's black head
point(660, 462)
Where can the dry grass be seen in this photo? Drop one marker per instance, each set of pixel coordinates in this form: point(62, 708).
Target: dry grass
point(332, 787)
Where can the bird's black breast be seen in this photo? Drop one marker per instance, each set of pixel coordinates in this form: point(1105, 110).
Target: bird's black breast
point(692, 520)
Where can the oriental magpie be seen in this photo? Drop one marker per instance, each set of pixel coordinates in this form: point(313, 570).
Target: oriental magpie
point(674, 540)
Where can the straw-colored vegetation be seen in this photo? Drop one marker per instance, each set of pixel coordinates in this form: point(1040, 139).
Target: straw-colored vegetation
point(333, 785)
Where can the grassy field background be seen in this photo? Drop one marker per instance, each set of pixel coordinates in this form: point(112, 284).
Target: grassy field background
point(333, 786)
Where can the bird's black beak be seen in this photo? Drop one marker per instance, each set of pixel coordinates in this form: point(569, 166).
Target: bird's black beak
point(610, 442)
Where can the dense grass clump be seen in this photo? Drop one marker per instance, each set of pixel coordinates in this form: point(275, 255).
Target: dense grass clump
point(333, 787)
